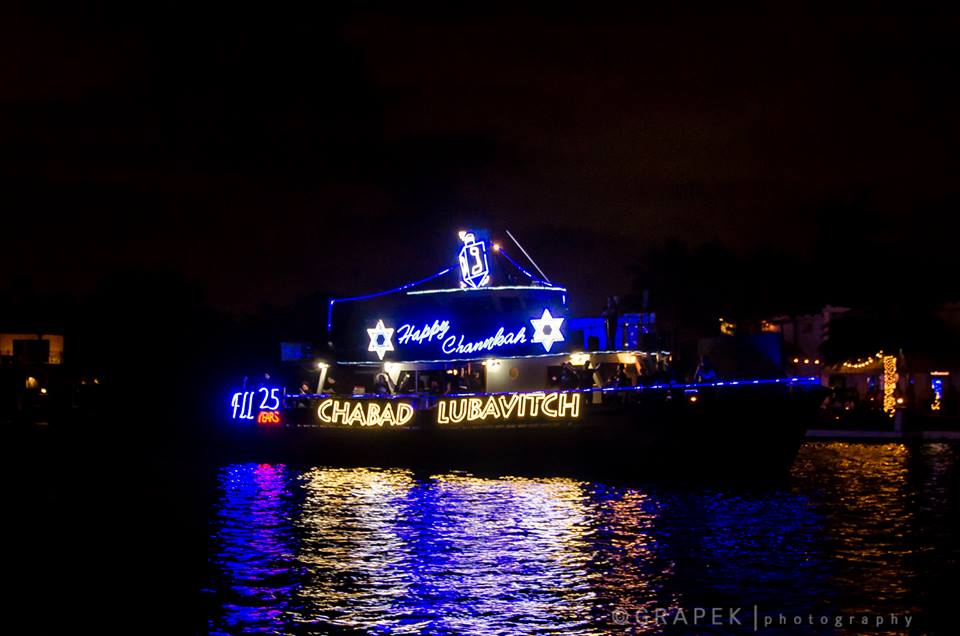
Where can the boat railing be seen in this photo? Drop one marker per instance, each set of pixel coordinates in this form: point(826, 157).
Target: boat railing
point(427, 400)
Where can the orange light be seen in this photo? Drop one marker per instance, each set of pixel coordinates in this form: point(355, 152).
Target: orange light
point(693, 398)
point(268, 417)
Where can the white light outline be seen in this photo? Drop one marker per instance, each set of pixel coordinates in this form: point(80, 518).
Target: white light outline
point(375, 333)
point(555, 335)
point(478, 250)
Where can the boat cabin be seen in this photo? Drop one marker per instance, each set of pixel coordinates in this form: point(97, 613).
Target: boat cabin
point(484, 324)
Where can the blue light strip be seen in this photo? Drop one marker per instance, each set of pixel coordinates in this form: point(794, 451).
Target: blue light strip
point(427, 279)
point(517, 265)
point(805, 381)
point(473, 359)
point(383, 293)
point(450, 290)
point(376, 363)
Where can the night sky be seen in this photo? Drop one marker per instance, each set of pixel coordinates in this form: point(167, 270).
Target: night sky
point(270, 152)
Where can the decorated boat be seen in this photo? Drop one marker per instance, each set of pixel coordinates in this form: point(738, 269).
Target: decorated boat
point(480, 365)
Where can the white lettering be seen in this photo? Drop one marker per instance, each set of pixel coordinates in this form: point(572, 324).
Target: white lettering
point(408, 333)
point(500, 339)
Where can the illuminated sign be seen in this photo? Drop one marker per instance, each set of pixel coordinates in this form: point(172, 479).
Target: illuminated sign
point(890, 379)
point(936, 384)
point(457, 343)
point(409, 333)
point(547, 330)
point(364, 412)
point(268, 417)
point(469, 312)
point(465, 324)
point(517, 406)
point(474, 267)
point(243, 402)
point(381, 339)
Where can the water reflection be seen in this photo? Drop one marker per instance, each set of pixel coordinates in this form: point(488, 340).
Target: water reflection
point(889, 521)
point(867, 522)
point(373, 551)
point(255, 546)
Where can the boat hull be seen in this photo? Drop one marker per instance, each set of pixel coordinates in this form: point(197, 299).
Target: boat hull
point(707, 434)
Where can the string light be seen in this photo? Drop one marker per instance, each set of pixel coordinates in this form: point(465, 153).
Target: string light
point(936, 384)
point(890, 378)
point(861, 363)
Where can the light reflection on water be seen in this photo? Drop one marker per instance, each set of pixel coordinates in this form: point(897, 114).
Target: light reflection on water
point(323, 550)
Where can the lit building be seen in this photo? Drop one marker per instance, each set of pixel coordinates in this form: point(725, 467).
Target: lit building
point(24, 349)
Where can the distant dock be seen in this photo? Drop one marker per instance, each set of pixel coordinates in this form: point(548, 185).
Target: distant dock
point(880, 436)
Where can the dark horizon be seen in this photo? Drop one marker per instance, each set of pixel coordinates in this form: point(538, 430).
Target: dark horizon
point(269, 156)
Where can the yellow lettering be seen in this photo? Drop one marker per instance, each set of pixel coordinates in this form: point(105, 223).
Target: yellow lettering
point(323, 411)
point(507, 407)
point(569, 405)
point(373, 415)
point(404, 413)
point(386, 417)
point(357, 415)
point(491, 409)
point(475, 408)
point(547, 404)
point(340, 412)
point(458, 410)
point(534, 401)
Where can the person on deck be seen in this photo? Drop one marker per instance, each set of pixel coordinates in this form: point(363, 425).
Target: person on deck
point(569, 378)
point(705, 371)
point(381, 385)
point(302, 402)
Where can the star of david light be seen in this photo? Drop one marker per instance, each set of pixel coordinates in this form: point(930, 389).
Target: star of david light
point(381, 339)
point(547, 329)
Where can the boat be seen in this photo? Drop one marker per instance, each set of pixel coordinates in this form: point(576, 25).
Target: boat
point(480, 366)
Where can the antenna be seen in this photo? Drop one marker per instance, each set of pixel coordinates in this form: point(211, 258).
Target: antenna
point(512, 237)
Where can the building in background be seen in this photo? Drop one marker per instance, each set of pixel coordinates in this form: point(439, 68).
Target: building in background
point(26, 349)
point(30, 367)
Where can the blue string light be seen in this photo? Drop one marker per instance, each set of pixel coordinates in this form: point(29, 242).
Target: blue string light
point(806, 381)
point(447, 270)
point(361, 363)
point(517, 265)
point(382, 293)
point(450, 290)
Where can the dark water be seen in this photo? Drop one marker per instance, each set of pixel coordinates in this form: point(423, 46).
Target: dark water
point(858, 530)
